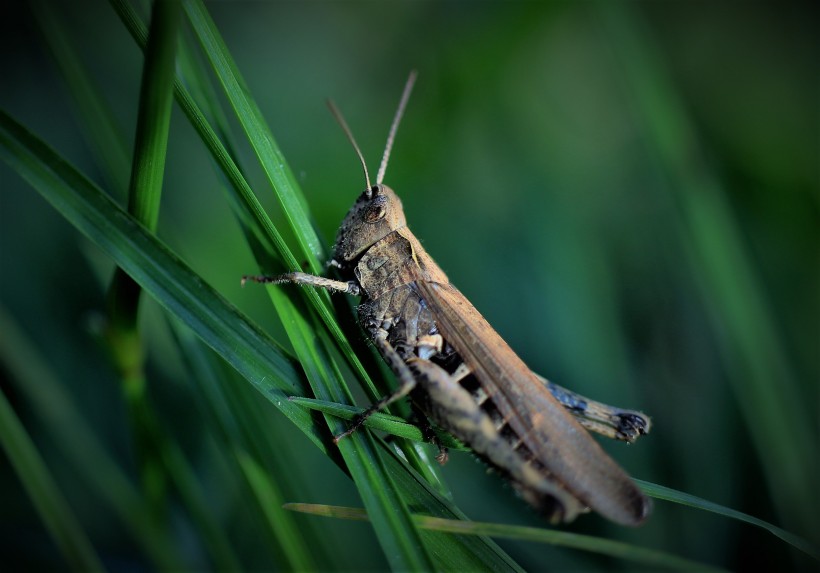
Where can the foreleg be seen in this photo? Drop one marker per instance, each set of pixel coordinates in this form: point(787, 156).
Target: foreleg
point(349, 287)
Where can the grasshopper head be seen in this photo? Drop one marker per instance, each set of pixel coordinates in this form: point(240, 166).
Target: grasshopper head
point(378, 211)
point(375, 214)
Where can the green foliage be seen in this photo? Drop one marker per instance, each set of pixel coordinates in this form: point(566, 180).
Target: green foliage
point(547, 145)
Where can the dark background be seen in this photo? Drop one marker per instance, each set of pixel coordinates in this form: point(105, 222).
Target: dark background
point(628, 192)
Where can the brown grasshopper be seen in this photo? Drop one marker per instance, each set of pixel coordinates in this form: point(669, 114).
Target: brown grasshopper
point(461, 373)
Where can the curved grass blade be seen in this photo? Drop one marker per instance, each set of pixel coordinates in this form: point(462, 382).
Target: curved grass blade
point(194, 500)
point(96, 118)
point(396, 426)
point(298, 556)
point(175, 286)
point(587, 543)
point(239, 429)
point(81, 446)
point(669, 494)
point(53, 508)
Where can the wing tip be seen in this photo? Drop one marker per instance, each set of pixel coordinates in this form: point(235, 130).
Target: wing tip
point(635, 513)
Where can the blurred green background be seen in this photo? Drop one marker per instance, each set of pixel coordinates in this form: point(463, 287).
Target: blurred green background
point(629, 192)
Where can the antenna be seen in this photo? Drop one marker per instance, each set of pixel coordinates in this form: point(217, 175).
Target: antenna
point(338, 115)
point(408, 87)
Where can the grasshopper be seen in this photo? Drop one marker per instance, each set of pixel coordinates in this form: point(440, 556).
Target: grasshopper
point(462, 375)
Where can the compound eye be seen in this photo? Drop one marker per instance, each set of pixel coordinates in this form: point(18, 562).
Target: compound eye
point(376, 210)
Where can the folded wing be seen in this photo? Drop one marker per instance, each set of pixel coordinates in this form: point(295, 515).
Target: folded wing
point(559, 443)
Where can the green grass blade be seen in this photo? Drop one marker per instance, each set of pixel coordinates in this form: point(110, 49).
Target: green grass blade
point(241, 433)
point(246, 205)
point(145, 186)
point(254, 354)
point(400, 541)
point(270, 502)
point(194, 500)
point(122, 334)
point(77, 441)
point(762, 381)
point(469, 553)
point(54, 510)
point(153, 122)
point(669, 494)
point(97, 120)
point(250, 117)
point(631, 553)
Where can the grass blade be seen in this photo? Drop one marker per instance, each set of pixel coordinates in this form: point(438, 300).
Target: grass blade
point(54, 510)
point(643, 556)
point(399, 427)
point(122, 334)
point(241, 432)
point(97, 120)
point(669, 494)
point(250, 117)
point(156, 96)
point(175, 286)
point(78, 442)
